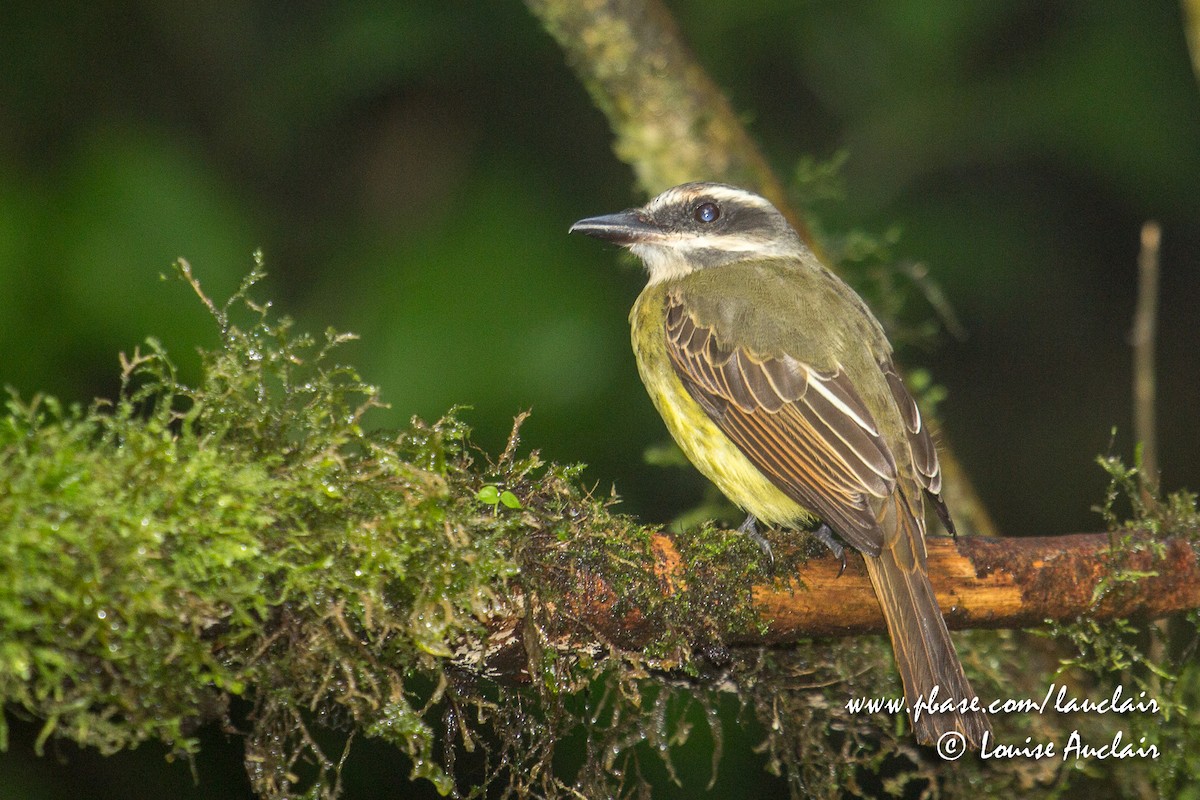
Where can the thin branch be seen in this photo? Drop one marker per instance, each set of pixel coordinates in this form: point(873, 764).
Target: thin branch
point(1142, 339)
point(1143, 336)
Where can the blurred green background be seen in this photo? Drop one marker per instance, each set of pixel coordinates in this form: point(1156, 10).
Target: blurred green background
point(410, 170)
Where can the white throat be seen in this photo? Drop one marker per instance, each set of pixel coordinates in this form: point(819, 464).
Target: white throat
point(663, 261)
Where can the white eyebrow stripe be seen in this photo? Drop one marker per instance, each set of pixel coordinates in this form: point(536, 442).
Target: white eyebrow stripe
point(720, 194)
point(746, 198)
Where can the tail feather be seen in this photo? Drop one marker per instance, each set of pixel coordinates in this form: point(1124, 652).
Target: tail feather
point(925, 655)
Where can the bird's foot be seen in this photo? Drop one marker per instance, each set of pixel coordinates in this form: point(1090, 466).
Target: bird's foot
point(824, 535)
point(750, 528)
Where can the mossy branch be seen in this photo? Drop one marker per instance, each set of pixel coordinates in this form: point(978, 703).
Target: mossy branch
point(981, 583)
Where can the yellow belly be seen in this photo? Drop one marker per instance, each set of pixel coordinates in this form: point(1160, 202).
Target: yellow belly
point(710, 450)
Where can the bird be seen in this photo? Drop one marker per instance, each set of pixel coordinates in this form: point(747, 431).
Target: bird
point(779, 385)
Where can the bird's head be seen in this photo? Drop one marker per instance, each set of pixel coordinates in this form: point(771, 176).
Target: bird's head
point(696, 226)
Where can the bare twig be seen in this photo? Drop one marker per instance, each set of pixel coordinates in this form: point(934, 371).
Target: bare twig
point(1142, 339)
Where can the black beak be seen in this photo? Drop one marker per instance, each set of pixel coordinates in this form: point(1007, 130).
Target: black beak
point(626, 227)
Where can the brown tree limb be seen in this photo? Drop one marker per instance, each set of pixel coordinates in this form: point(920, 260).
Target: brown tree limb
point(981, 582)
point(984, 582)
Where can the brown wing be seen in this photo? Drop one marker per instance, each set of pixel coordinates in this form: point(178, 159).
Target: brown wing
point(929, 471)
point(808, 431)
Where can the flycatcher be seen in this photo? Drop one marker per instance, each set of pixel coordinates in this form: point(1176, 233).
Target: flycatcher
point(778, 383)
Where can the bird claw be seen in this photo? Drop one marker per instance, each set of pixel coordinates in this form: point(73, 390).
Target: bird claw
point(750, 528)
point(824, 535)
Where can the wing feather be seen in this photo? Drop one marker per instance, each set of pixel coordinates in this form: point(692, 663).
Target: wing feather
point(920, 442)
point(808, 431)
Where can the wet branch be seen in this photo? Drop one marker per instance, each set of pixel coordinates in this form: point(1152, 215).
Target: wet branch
point(981, 582)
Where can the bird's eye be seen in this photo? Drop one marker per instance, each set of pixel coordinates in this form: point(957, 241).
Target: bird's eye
point(707, 212)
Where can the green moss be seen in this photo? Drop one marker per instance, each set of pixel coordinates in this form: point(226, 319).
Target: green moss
point(182, 546)
point(1154, 660)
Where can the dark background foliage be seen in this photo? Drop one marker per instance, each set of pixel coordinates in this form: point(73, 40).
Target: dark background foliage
point(411, 168)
